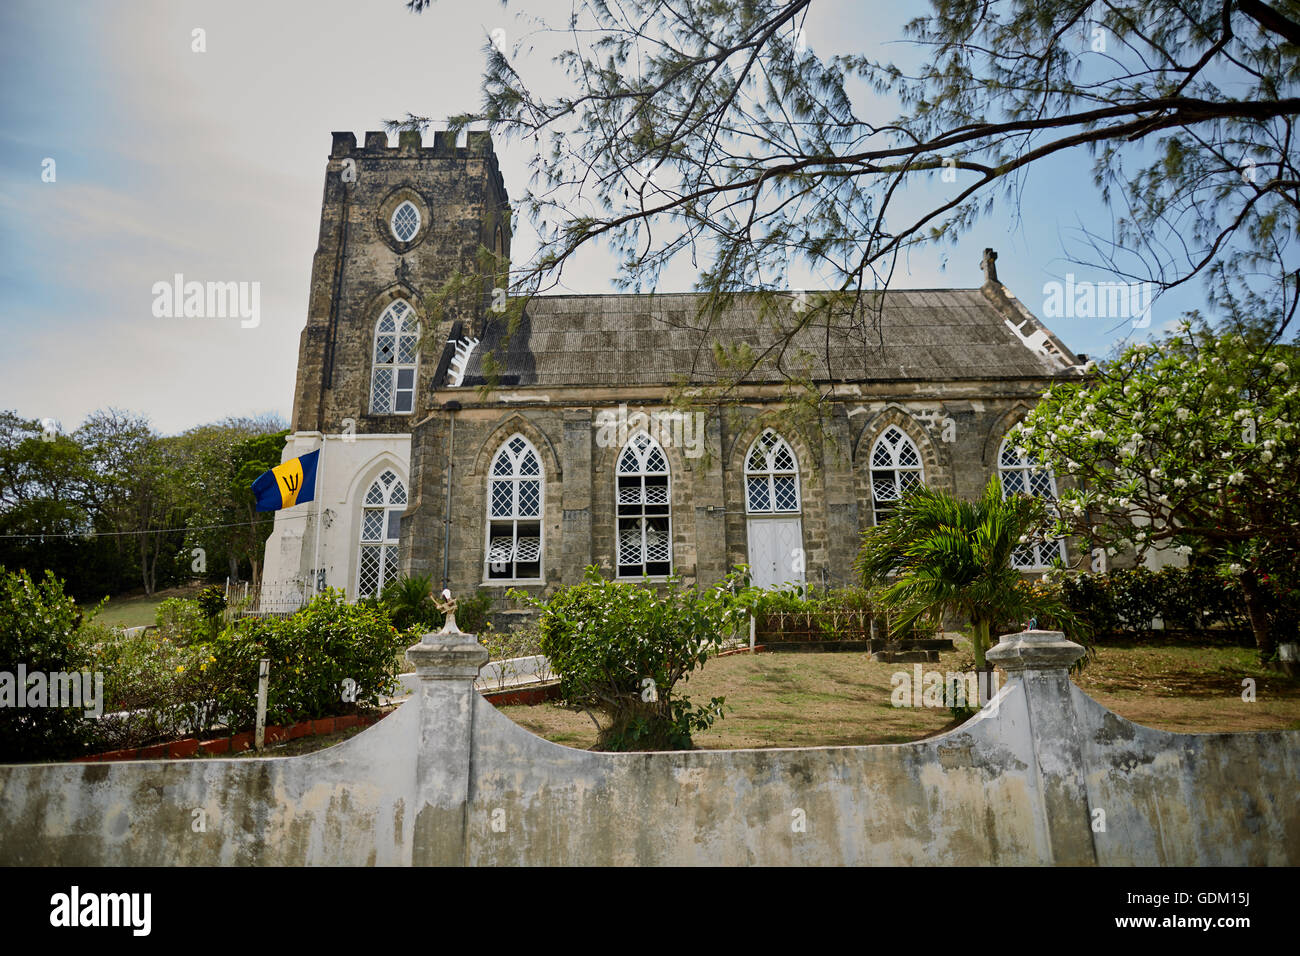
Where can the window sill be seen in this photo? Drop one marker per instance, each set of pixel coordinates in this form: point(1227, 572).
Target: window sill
point(520, 582)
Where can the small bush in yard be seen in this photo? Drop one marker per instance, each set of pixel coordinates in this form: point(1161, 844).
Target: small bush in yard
point(329, 658)
point(622, 648)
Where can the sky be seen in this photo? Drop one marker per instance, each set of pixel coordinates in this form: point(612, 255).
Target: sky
point(210, 164)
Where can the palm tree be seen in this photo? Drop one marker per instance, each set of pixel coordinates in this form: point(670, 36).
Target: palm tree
point(941, 553)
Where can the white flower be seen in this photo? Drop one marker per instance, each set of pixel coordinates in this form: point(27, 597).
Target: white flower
point(1269, 443)
point(1236, 478)
point(1111, 551)
point(1164, 500)
point(1163, 391)
point(1155, 473)
point(1239, 414)
point(1123, 502)
point(1236, 568)
point(1020, 450)
point(1096, 434)
point(1266, 456)
point(1140, 536)
point(1138, 416)
point(1089, 366)
point(1182, 414)
point(1279, 367)
point(1089, 409)
point(1183, 549)
point(1180, 482)
point(1023, 539)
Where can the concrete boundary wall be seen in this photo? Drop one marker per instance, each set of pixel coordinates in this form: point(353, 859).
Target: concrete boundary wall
point(1042, 775)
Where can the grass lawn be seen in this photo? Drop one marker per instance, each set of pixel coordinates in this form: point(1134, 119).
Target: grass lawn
point(819, 700)
point(133, 610)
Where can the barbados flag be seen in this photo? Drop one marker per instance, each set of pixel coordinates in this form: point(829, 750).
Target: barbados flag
point(288, 484)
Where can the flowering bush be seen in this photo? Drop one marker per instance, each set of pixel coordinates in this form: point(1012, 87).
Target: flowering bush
point(1193, 443)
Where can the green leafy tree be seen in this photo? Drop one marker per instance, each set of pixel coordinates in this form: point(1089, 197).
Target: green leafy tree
point(1192, 443)
point(623, 648)
point(939, 554)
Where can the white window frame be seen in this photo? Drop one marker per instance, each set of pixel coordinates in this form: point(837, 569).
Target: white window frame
point(1025, 467)
point(514, 518)
point(387, 507)
point(392, 220)
point(770, 472)
point(405, 325)
point(895, 468)
point(638, 510)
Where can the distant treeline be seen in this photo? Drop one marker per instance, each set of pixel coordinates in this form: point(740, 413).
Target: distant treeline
point(97, 506)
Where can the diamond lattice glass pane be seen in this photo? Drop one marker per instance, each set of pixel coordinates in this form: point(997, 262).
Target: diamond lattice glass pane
point(1013, 483)
point(398, 495)
point(390, 564)
point(629, 495)
point(388, 478)
point(517, 445)
point(629, 545)
point(501, 549)
point(627, 463)
point(384, 349)
point(368, 582)
point(758, 497)
point(782, 460)
point(907, 455)
point(372, 525)
point(1009, 457)
point(398, 309)
point(907, 480)
point(529, 465)
point(656, 494)
point(375, 496)
point(1024, 557)
point(406, 349)
point(381, 391)
point(882, 457)
point(1040, 484)
point(528, 550)
point(787, 496)
point(501, 499)
point(656, 544)
point(406, 222)
point(387, 324)
point(757, 459)
point(655, 463)
point(884, 489)
point(530, 499)
point(502, 465)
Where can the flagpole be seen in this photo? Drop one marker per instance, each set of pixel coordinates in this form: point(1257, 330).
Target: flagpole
point(320, 507)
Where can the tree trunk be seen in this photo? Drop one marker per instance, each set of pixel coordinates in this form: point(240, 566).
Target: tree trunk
point(233, 560)
point(144, 564)
point(979, 638)
point(1260, 624)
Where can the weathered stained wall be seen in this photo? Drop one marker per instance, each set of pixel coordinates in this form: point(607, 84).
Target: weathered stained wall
point(449, 780)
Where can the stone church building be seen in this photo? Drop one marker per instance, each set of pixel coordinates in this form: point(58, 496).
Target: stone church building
point(574, 457)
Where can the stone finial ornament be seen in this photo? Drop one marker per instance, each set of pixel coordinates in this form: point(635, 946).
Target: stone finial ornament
point(448, 607)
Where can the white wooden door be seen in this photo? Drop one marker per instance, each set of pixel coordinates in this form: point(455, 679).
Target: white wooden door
point(776, 551)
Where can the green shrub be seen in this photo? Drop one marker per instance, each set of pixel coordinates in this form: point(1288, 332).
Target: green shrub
point(212, 601)
point(38, 629)
point(329, 658)
point(1123, 602)
point(622, 648)
point(155, 688)
point(182, 621)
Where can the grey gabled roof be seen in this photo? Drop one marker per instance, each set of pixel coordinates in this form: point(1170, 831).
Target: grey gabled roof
point(925, 335)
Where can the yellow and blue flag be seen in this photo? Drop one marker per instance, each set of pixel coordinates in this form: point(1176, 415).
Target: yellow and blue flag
point(287, 484)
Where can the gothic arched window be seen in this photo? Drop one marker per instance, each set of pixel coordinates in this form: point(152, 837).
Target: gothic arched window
point(1024, 475)
point(381, 521)
point(405, 222)
point(392, 381)
point(895, 470)
point(514, 546)
point(644, 514)
point(771, 476)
